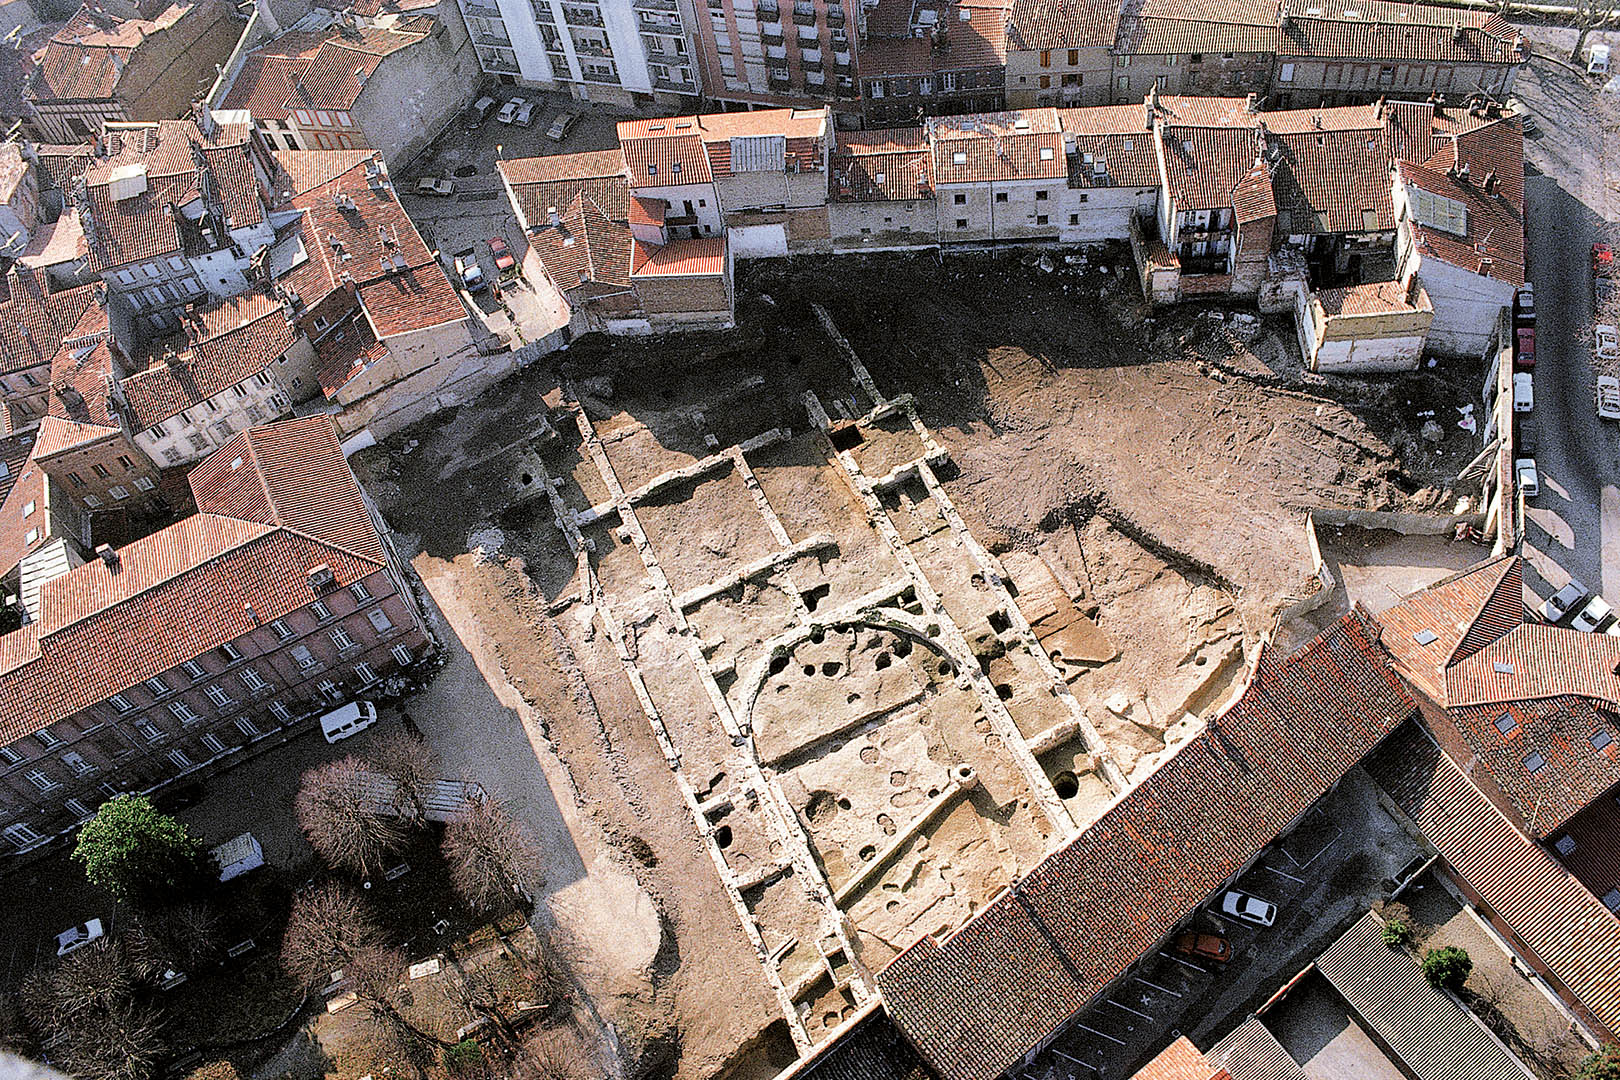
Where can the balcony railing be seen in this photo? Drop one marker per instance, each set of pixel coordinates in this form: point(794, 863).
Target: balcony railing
point(609, 77)
point(779, 81)
point(768, 9)
point(835, 15)
point(592, 48)
point(659, 24)
point(808, 64)
point(771, 34)
point(582, 17)
point(664, 82)
point(804, 18)
point(656, 5)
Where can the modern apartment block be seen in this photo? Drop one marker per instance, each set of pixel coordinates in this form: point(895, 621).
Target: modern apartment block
point(619, 52)
point(780, 52)
point(174, 654)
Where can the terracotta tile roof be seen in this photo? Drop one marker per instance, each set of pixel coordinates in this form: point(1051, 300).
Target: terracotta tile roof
point(1494, 244)
point(804, 130)
point(57, 436)
point(83, 373)
point(264, 84)
point(1542, 661)
point(298, 171)
point(1558, 920)
point(318, 69)
point(881, 166)
point(1021, 145)
point(293, 474)
point(647, 211)
point(33, 322)
point(1164, 27)
point(698, 256)
point(1253, 198)
point(1180, 1060)
point(1251, 1052)
point(58, 165)
point(367, 225)
point(1378, 29)
point(1204, 166)
point(1215, 112)
point(14, 451)
point(1453, 618)
point(345, 353)
point(1033, 25)
point(666, 161)
point(218, 347)
point(1333, 181)
point(872, 1049)
point(975, 1002)
point(539, 183)
point(977, 41)
point(587, 256)
point(1595, 862)
point(1571, 773)
point(1377, 298)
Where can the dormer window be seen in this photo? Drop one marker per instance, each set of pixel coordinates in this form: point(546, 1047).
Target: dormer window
point(1601, 739)
point(1534, 762)
point(652, 170)
point(1506, 724)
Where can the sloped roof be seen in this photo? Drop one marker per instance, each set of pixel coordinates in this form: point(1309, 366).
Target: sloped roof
point(975, 36)
point(1494, 243)
point(1018, 145)
point(1380, 29)
point(1451, 619)
point(1180, 1060)
point(537, 184)
point(1033, 25)
point(1333, 181)
point(1025, 964)
point(1558, 920)
point(587, 255)
point(881, 166)
point(1252, 1052)
point(86, 59)
point(33, 322)
point(697, 256)
point(664, 161)
point(1204, 166)
point(1373, 298)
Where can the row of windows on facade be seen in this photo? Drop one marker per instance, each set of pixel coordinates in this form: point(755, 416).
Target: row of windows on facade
point(23, 835)
point(79, 768)
point(160, 429)
point(949, 82)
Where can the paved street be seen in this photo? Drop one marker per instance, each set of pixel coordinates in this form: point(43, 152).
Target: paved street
point(1573, 527)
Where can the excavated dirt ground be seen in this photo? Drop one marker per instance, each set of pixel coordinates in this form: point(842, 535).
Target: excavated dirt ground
point(1108, 508)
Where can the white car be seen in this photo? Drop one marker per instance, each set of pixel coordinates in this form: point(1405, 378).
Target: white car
point(1593, 615)
point(1524, 392)
point(1562, 602)
point(1250, 909)
point(510, 110)
point(1529, 479)
point(1608, 397)
point(71, 941)
point(1606, 342)
point(1597, 61)
point(525, 115)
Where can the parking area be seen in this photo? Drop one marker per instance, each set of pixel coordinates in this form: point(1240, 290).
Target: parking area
point(1326, 873)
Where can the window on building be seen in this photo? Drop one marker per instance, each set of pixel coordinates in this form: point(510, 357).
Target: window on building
point(1040, 219)
point(118, 491)
point(1001, 196)
point(38, 778)
point(402, 655)
point(961, 223)
point(126, 462)
point(1042, 196)
point(9, 756)
point(283, 631)
point(341, 638)
point(253, 680)
point(959, 157)
point(157, 686)
point(1074, 78)
point(47, 739)
point(75, 479)
point(1123, 83)
point(22, 835)
point(194, 671)
point(1046, 58)
point(278, 710)
point(213, 743)
point(197, 440)
point(1074, 57)
point(1506, 724)
point(959, 199)
point(304, 658)
point(145, 483)
point(1534, 762)
point(218, 695)
point(328, 690)
point(321, 610)
point(183, 712)
point(157, 431)
point(121, 703)
point(230, 652)
point(148, 730)
point(77, 809)
point(180, 759)
point(91, 501)
point(76, 763)
point(364, 673)
point(1601, 738)
point(171, 456)
point(1565, 845)
point(361, 593)
point(1046, 82)
point(1286, 73)
point(380, 620)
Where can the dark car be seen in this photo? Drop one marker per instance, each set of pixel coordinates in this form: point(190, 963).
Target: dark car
point(1203, 946)
point(173, 800)
point(1524, 348)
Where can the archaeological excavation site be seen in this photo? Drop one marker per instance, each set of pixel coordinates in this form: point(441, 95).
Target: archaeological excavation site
point(831, 651)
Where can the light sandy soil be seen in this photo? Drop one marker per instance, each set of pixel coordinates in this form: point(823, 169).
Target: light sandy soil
point(1147, 480)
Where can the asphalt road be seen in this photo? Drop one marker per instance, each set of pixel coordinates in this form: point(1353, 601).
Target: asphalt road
point(1572, 529)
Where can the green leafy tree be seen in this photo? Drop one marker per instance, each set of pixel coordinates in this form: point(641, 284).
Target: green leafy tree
point(1397, 934)
point(1601, 1064)
point(1447, 967)
point(142, 856)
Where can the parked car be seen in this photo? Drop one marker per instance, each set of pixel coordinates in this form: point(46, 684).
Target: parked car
point(1606, 342)
point(469, 273)
point(435, 185)
point(1524, 305)
point(503, 255)
point(1524, 392)
point(479, 112)
point(525, 115)
point(70, 941)
point(1203, 946)
point(347, 720)
point(1608, 397)
point(1250, 909)
point(172, 800)
point(1524, 348)
point(1597, 60)
point(509, 111)
point(1594, 616)
point(1529, 479)
point(560, 126)
point(1562, 602)
point(1602, 259)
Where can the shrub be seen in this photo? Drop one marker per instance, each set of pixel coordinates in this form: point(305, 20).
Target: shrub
point(1601, 1064)
point(463, 1057)
point(1397, 934)
point(1447, 967)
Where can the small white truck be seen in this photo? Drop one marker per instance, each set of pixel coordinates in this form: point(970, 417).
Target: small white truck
point(1608, 397)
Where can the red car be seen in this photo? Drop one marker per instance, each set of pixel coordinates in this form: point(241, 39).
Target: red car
point(1524, 348)
point(503, 255)
point(1602, 259)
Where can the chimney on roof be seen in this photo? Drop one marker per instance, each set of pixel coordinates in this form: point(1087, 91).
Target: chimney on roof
point(1251, 104)
point(247, 609)
point(1490, 183)
point(1462, 172)
point(1456, 30)
point(320, 577)
point(108, 556)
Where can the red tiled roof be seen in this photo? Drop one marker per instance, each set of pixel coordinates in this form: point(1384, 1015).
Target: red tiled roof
point(540, 183)
point(1333, 182)
point(293, 474)
point(221, 345)
point(33, 322)
point(1541, 661)
point(264, 84)
point(1204, 166)
point(588, 255)
point(1558, 920)
point(27, 493)
point(1253, 198)
point(975, 1002)
point(666, 161)
point(345, 353)
point(646, 211)
point(1595, 862)
point(1462, 613)
point(1022, 145)
point(977, 41)
point(298, 171)
point(1378, 29)
point(58, 165)
point(698, 256)
point(1494, 245)
point(1033, 25)
point(1376, 298)
point(803, 129)
point(878, 166)
point(1178, 1061)
point(58, 436)
point(14, 451)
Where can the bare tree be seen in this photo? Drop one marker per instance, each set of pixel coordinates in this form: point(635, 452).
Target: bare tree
point(412, 766)
point(180, 937)
point(97, 978)
point(337, 807)
point(494, 859)
point(1588, 15)
point(326, 930)
point(373, 975)
point(122, 1043)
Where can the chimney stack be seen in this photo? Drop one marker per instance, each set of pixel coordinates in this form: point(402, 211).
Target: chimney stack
point(107, 555)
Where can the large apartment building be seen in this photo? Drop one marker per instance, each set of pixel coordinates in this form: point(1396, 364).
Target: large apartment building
point(175, 654)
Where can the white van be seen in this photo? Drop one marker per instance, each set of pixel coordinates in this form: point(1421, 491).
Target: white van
point(1597, 60)
point(1524, 392)
point(354, 717)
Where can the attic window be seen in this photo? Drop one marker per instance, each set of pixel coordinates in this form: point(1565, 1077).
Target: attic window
point(1611, 900)
point(1534, 762)
point(1601, 739)
point(1130, 144)
point(1046, 153)
point(1425, 637)
point(655, 127)
point(879, 178)
point(236, 464)
point(1565, 846)
point(1502, 667)
point(959, 157)
point(652, 170)
point(675, 167)
point(28, 508)
point(1506, 724)
point(1369, 220)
